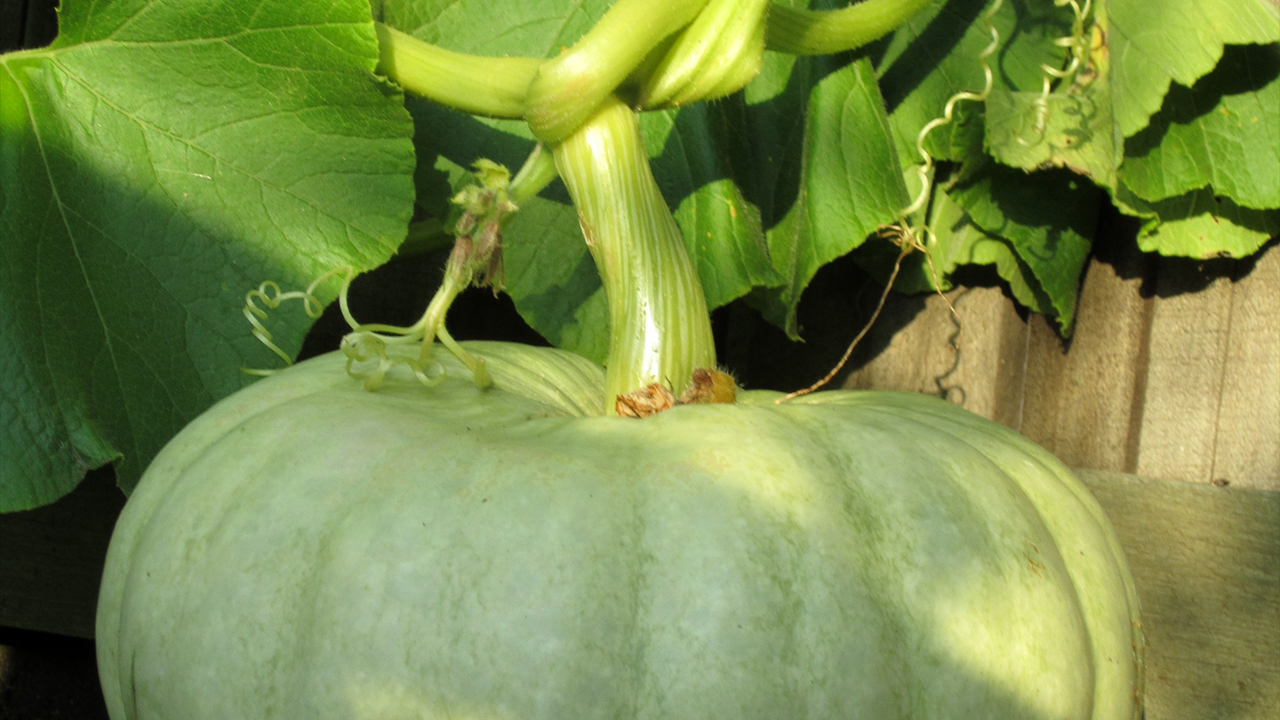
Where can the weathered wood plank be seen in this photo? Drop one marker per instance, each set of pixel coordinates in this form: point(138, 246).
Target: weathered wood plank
point(976, 362)
point(1206, 561)
point(1082, 399)
point(1187, 364)
point(1173, 369)
point(1247, 436)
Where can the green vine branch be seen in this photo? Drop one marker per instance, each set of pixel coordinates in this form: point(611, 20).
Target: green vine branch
point(684, 51)
point(822, 32)
point(476, 84)
point(372, 349)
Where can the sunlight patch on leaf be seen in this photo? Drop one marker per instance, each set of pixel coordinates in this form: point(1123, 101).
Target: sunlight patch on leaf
point(1224, 132)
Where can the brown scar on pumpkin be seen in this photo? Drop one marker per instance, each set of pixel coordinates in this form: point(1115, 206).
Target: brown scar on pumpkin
point(707, 386)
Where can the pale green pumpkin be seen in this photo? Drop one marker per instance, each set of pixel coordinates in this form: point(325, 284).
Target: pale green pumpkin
point(307, 549)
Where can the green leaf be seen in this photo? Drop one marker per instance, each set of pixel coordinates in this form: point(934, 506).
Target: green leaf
point(1154, 43)
point(936, 55)
point(549, 273)
point(821, 165)
point(1048, 218)
point(1134, 54)
point(1199, 225)
point(157, 162)
point(957, 242)
point(1204, 142)
point(1035, 230)
point(1224, 132)
point(1078, 132)
point(1071, 128)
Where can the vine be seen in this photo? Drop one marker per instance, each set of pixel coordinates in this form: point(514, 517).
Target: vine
point(1075, 42)
point(558, 97)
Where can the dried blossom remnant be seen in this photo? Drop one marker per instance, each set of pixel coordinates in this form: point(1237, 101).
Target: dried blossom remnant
point(485, 207)
point(643, 402)
point(708, 386)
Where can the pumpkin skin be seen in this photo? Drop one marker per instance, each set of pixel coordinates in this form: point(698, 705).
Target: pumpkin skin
point(307, 549)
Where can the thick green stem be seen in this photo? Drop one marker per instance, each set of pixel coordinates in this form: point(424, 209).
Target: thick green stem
point(717, 54)
point(493, 86)
point(569, 88)
point(659, 328)
point(808, 32)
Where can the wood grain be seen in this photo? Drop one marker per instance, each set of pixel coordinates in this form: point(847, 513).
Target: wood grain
point(1083, 398)
point(1173, 369)
point(1206, 561)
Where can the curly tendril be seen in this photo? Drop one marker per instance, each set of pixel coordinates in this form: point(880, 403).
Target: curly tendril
point(1075, 42)
point(270, 295)
point(367, 345)
point(374, 349)
point(948, 112)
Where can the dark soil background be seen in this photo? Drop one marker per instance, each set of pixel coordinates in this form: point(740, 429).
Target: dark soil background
point(48, 677)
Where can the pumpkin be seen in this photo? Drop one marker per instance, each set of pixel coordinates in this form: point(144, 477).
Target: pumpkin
point(307, 549)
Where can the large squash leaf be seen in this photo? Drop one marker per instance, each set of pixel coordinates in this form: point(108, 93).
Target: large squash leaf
point(1199, 224)
point(1048, 218)
point(1202, 172)
point(1154, 43)
point(1138, 49)
point(156, 162)
point(958, 242)
point(822, 167)
point(1223, 132)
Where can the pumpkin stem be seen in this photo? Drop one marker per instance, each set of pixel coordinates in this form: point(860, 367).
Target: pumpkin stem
point(659, 327)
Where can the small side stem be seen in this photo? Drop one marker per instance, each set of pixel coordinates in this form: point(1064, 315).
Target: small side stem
point(659, 328)
point(538, 171)
point(822, 32)
point(493, 86)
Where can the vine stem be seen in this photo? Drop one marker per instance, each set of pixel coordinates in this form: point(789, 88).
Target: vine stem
point(477, 84)
point(659, 325)
point(822, 32)
point(718, 55)
point(570, 87)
